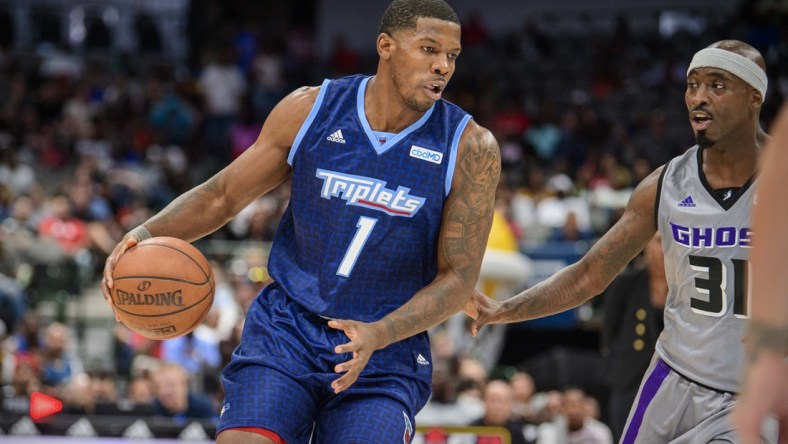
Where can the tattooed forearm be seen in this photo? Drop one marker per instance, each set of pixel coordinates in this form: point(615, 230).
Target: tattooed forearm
point(558, 293)
point(429, 307)
point(579, 282)
point(619, 247)
point(763, 337)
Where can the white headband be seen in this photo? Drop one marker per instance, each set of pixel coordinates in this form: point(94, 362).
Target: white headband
point(736, 64)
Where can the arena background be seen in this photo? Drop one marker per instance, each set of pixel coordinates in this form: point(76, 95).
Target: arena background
point(110, 109)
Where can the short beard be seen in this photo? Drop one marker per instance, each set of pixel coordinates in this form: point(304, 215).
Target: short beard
point(410, 101)
point(703, 141)
point(414, 104)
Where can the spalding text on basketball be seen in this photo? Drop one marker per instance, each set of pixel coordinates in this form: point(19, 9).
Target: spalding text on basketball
point(168, 298)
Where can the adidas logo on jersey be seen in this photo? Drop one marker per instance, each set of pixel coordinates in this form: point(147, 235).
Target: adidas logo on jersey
point(421, 360)
point(336, 136)
point(687, 202)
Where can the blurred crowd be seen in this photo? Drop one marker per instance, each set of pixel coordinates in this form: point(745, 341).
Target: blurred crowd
point(92, 144)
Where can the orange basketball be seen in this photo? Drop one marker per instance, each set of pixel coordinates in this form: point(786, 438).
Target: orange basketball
point(163, 288)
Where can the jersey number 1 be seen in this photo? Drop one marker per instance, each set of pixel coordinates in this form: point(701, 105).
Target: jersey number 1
point(364, 229)
point(714, 286)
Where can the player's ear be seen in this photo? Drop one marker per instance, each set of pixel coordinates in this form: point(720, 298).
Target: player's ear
point(757, 99)
point(385, 45)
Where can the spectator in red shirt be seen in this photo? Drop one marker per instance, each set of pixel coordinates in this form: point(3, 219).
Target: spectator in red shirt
point(70, 233)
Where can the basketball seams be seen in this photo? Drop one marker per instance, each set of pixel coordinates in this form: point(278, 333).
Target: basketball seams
point(164, 278)
point(198, 321)
point(188, 255)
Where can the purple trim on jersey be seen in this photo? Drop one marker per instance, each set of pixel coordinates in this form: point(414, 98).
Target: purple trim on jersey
point(308, 122)
point(654, 381)
point(373, 139)
point(455, 143)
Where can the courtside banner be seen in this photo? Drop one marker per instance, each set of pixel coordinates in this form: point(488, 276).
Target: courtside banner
point(461, 435)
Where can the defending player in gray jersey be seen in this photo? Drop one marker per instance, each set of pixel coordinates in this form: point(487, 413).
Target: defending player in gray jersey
point(700, 202)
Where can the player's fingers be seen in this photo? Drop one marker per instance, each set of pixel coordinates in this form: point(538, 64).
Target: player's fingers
point(345, 381)
point(340, 324)
point(358, 361)
point(347, 366)
point(477, 324)
point(108, 267)
point(106, 291)
point(112, 260)
point(471, 310)
point(108, 299)
point(350, 347)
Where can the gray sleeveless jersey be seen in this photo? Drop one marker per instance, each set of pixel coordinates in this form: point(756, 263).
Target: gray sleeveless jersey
point(706, 240)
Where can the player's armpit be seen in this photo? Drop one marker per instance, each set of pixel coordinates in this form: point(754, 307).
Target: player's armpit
point(468, 212)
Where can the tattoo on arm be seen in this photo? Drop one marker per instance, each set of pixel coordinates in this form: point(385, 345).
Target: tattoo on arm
point(468, 214)
point(470, 207)
point(579, 282)
point(556, 294)
point(418, 314)
point(623, 244)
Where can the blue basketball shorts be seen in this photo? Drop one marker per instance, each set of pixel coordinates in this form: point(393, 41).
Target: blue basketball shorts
point(279, 379)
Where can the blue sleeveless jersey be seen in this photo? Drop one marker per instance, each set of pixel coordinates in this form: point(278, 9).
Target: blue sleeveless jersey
point(360, 235)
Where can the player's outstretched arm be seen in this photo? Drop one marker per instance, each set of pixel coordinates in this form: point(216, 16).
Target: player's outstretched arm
point(467, 218)
point(208, 206)
point(587, 278)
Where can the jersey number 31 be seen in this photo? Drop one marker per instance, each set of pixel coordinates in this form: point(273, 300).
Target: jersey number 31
point(715, 286)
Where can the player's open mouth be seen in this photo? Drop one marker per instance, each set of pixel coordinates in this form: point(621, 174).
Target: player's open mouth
point(700, 120)
point(434, 89)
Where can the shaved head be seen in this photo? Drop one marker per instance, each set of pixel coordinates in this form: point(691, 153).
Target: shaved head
point(742, 49)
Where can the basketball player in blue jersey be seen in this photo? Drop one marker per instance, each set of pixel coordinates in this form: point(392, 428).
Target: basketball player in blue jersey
point(392, 202)
point(701, 204)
